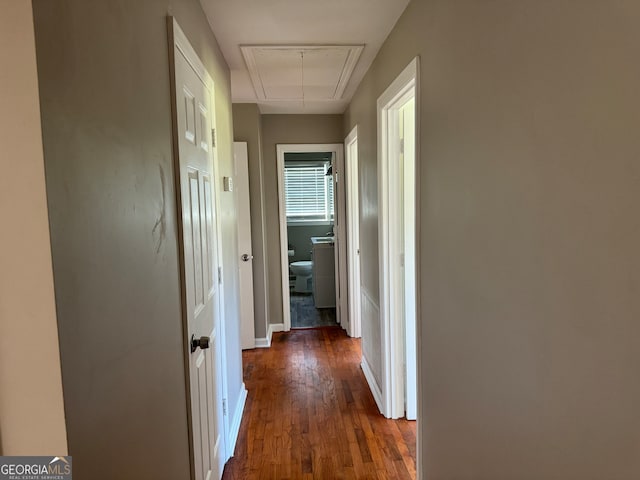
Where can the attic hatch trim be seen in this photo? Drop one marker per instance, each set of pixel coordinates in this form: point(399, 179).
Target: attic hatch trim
point(353, 53)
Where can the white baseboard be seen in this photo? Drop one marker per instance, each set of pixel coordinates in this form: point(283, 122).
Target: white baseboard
point(276, 327)
point(266, 341)
point(234, 429)
point(373, 385)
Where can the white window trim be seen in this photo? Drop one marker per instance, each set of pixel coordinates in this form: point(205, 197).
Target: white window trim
point(309, 223)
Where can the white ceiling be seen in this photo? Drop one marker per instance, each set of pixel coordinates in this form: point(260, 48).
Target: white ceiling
point(298, 25)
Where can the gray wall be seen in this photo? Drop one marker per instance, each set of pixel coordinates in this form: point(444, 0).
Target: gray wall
point(300, 237)
point(247, 127)
point(31, 403)
point(529, 271)
point(106, 118)
point(278, 129)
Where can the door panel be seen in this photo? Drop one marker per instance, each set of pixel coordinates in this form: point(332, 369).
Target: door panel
point(195, 237)
point(200, 263)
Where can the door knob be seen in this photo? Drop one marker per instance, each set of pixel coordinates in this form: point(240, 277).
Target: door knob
point(246, 257)
point(202, 342)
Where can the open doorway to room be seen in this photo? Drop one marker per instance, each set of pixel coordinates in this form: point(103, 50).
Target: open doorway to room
point(398, 238)
point(353, 232)
point(310, 219)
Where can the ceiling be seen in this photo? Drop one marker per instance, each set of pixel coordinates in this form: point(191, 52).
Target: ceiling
point(300, 56)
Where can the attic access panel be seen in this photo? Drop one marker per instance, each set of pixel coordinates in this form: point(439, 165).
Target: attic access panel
point(300, 72)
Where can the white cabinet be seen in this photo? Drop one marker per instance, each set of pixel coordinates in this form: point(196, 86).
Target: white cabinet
point(324, 275)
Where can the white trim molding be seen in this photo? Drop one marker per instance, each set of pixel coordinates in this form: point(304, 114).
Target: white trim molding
point(253, 53)
point(401, 89)
point(265, 342)
point(371, 380)
point(235, 423)
point(353, 232)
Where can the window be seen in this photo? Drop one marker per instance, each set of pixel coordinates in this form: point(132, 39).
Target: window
point(308, 192)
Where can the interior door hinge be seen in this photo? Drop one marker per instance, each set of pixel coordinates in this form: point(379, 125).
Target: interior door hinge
point(220, 275)
point(213, 137)
point(402, 145)
point(224, 407)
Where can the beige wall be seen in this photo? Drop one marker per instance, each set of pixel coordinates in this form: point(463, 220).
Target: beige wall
point(247, 127)
point(31, 405)
point(530, 186)
point(277, 129)
point(106, 115)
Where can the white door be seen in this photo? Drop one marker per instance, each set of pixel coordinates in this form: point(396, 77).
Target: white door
point(340, 244)
point(408, 214)
point(353, 232)
point(337, 235)
point(247, 325)
point(200, 242)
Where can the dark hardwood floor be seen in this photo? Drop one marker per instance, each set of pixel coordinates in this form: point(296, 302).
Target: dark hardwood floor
point(310, 415)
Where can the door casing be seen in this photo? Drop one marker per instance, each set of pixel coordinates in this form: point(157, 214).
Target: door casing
point(339, 230)
point(353, 232)
point(391, 241)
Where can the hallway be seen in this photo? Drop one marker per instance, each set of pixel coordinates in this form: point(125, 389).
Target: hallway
point(310, 414)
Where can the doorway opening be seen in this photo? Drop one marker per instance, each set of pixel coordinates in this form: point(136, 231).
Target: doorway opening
point(310, 207)
point(398, 238)
point(353, 232)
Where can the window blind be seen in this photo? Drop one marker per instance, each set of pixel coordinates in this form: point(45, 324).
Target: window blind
point(308, 192)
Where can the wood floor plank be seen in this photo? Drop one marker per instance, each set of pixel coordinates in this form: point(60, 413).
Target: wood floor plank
point(310, 415)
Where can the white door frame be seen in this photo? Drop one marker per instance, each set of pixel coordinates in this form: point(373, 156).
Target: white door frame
point(408, 113)
point(390, 238)
point(340, 231)
point(353, 231)
point(245, 265)
point(179, 41)
point(281, 149)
